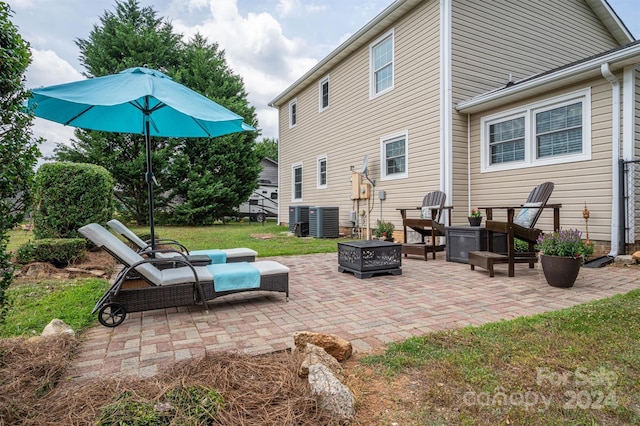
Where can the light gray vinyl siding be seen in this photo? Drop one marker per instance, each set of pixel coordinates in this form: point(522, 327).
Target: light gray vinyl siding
point(352, 127)
point(575, 183)
point(492, 39)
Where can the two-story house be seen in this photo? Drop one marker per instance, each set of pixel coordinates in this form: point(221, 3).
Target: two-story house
point(480, 99)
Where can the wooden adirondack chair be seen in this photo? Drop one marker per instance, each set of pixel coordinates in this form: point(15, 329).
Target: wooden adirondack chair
point(429, 225)
point(521, 227)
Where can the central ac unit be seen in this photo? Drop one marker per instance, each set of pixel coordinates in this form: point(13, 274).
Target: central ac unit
point(298, 214)
point(324, 222)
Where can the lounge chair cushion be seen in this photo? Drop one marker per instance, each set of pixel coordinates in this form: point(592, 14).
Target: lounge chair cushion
point(221, 256)
point(216, 256)
point(234, 276)
point(527, 213)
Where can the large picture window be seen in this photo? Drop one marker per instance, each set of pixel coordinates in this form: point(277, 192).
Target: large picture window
point(381, 67)
point(553, 131)
point(393, 156)
point(296, 179)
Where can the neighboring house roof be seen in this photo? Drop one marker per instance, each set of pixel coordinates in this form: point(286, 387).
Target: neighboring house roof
point(393, 13)
point(270, 160)
point(583, 69)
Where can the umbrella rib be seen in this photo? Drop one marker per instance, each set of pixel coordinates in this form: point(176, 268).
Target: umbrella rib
point(201, 126)
point(78, 115)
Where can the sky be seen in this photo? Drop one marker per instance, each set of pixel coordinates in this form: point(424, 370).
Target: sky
point(269, 43)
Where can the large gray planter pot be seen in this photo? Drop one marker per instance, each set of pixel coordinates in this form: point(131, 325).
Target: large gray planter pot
point(560, 271)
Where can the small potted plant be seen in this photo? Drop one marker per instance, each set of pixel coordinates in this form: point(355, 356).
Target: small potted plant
point(384, 230)
point(475, 218)
point(561, 255)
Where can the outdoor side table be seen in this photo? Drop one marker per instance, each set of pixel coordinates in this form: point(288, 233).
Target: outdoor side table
point(463, 239)
point(365, 258)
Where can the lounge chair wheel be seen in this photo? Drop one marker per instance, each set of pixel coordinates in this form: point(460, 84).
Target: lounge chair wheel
point(112, 314)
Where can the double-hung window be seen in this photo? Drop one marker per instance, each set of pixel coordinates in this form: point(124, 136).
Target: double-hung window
point(552, 131)
point(296, 179)
point(393, 156)
point(323, 94)
point(322, 172)
point(381, 65)
point(293, 113)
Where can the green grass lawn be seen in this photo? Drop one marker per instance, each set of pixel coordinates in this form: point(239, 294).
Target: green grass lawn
point(577, 366)
point(268, 239)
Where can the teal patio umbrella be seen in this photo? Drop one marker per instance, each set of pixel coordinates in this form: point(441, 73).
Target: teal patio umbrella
point(140, 101)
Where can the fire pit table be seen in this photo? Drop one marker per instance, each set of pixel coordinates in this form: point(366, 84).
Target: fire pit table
point(365, 258)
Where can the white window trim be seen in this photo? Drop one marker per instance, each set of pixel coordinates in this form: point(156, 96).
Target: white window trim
point(322, 82)
point(318, 160)
point(293, 181)
point(372, 78)
point(528, 112)
point(291, 104)
point(383, 165)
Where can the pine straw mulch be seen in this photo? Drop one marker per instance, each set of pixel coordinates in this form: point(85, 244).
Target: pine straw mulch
point(256, 390)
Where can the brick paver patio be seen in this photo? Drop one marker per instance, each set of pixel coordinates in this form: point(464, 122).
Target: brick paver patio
point(428, 296)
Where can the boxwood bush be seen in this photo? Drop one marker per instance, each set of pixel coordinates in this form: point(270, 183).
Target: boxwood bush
point(71, 195)
point(58, 251)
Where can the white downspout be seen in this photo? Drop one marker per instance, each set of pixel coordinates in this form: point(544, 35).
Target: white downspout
point(446, 102)
point(469, 163)
point(615, 154)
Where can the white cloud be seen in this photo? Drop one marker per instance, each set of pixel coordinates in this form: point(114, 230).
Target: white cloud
point(47, 68)
point(255, 48)
point(286, 7)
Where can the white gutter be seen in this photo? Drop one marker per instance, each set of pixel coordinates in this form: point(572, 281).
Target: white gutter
point(615, 155)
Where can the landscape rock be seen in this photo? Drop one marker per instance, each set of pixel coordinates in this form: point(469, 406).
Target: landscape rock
point(636, 256)
point(625, 259)
point(56, 327)
point(317, 355)
point(335, 346)
point(332, 394)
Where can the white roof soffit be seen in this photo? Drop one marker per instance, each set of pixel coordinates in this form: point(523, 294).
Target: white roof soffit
point(611, 20)
point(545, 82)
point(367, 33)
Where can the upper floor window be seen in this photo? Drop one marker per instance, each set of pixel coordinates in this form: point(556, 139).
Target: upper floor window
point(393, 156)
point(322, 172)
point(552, 131)
point(324, 93)
point(381, 65)
point(296, 172)
point(293, 113)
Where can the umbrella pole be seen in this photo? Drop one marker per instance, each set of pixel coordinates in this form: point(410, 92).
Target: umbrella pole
point(149, 179)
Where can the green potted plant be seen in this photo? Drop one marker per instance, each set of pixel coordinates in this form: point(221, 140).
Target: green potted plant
point(384, 230)
point(561, 255)
point(475, 218)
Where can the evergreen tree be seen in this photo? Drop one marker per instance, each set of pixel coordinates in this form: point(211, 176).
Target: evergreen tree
point(200, 179)
point(211, 177)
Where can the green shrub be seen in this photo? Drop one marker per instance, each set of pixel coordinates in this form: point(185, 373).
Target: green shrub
point(71, 195)
point(59, 251)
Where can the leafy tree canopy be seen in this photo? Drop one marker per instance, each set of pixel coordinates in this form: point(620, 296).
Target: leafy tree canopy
point(18, 149)
point(200, 179)
point(267, 148)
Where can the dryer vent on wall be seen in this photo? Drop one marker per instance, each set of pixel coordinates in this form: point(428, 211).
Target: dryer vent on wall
point(323, 222)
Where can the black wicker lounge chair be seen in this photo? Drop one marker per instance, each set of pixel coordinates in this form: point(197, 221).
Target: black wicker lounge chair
point(180, 286)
